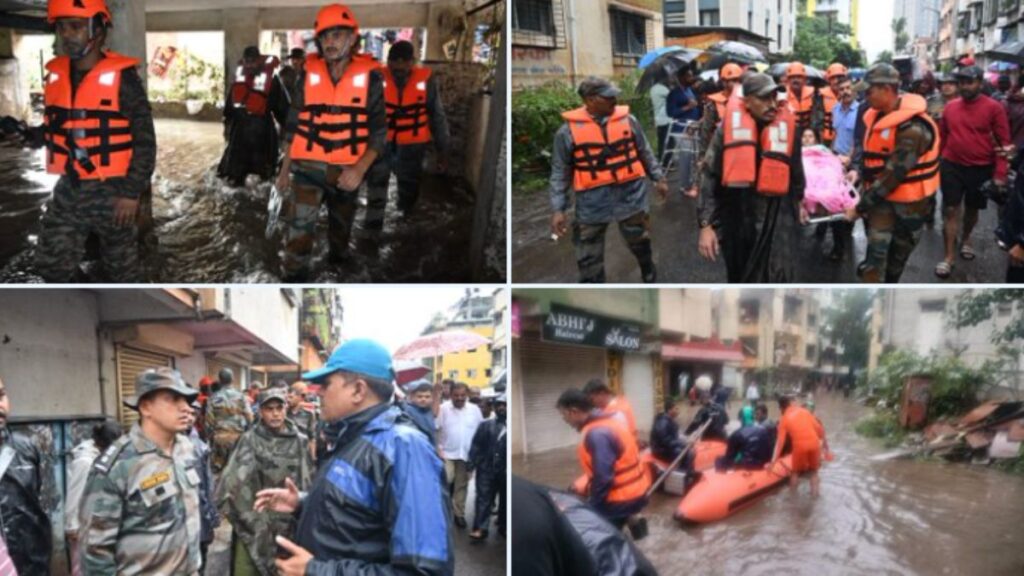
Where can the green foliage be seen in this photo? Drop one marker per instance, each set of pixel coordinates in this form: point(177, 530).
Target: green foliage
point(974, 307)
point(193, 79)
point(900, 37)
point(882, 424)
point(885, 56)
point(848, 324)
point(820, 41)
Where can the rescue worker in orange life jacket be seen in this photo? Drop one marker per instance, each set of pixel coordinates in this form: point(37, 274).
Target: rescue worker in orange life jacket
point(98, 133)
point(416, 120)
point(336, 129)
point(752, 185)
point(802, 101)
point(829, 96)
point(729, 77)
point(900, 169)
point(602, 160)
point(617, 479)
point(256, 99)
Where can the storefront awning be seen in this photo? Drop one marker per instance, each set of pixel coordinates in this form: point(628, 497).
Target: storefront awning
point(710, 351)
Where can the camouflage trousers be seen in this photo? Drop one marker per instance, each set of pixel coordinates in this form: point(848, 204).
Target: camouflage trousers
point(588, 239)
point(894, 230)
point(72, 214)
point(406, 162)
point(313, 184)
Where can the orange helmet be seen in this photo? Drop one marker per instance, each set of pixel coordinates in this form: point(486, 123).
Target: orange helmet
point(335, 16)
point(795, 70)
point(76, 9)
point(834, 70)
point(730, 72)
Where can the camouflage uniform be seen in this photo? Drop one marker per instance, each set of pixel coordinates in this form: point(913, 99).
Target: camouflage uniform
point(227, 417)
point(305, 420)
point(140, 509)
point(262, 459)
point(80, 207)
point(314, 183)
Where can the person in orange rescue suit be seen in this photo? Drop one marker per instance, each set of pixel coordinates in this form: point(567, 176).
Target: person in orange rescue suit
point(256, 99)
point(416, 121)
point(714, 110)
point(336, 129)
point(98, 133)
point(752, 185)
point(829, 96)
point(608, 453)
point(802, 101)
point(602, 160)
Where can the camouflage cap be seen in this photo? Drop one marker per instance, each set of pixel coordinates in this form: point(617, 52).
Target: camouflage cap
point(882, 74)
point(160, 379)
point(273, 394)
point(760, 85)
point(969, 73)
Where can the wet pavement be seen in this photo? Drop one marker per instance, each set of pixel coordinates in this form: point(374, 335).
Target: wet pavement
point(900, 517)
point(208, 232)
point(536, 258)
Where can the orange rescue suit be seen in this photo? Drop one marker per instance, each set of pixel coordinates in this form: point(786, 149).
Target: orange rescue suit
point(828, 100)
point(603, 157)
point(408, 122)
point(631, 479)
point(801, 107)
point(334, 124)
point(620, 404)
point(720, 100)
point(880, 141)
point(253, 91)
point(87, 119)
point(741, 167)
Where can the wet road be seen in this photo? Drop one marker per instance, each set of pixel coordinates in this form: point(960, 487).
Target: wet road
point(209, 232)
point(535, 258)
point(895, 518)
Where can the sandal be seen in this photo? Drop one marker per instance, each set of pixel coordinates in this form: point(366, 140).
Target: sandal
point(943, 269)
point(966, 252)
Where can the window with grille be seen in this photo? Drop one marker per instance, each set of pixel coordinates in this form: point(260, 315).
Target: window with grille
point(629, 33)
point(709, 18)
point(675, 13)
point(533, 16)
point(1009, 7)
point(991, 11)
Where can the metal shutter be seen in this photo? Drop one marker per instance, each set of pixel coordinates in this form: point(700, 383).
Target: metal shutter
point(547, 370)
point(638, 387)
point(130, 363)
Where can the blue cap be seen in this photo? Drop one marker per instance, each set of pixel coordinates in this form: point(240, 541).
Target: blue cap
point(362, 356)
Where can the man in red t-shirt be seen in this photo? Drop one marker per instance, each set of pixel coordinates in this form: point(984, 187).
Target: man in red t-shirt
point(975, 138)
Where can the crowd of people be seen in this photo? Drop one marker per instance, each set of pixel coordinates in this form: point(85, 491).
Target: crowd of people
point(896, 145)
point(363, 477)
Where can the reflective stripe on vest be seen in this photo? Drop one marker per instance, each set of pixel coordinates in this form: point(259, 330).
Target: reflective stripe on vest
point(334, 126)
point(408, 122)
point(252, 92)
point(741, 167)
point(603, 157)
point(880, 141)
point(631, 478)
point(85, 132)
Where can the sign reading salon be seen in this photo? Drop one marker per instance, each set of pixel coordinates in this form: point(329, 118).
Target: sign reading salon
point(566, 325)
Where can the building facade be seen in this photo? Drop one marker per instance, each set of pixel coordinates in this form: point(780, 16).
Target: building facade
point(474, 312)
point(842, 11)
point(500, 341)
point(778, 330)
point(772, 20)
point(321, 320)
point(983, 25)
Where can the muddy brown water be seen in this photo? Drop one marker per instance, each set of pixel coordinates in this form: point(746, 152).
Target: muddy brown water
point(901, 517)
point(208, 231)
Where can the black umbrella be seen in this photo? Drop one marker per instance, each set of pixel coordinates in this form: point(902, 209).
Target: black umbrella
point(721, 53)
point(666, 67)
point(1009, 52)
point(814, 76)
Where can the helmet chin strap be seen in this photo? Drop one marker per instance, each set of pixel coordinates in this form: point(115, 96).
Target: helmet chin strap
point(87, 48)
point(347, 51)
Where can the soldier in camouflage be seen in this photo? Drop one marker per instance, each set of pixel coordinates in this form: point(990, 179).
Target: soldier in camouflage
point(272, 450)
point(227, 417)
point(140, 509)
point(303, 417)
point(209, 519)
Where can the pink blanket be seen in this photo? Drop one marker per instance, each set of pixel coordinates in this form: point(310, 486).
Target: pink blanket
point(827, 187)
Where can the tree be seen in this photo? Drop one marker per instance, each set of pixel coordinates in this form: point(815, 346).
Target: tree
point(884, 56)
point(848, 324)
point(820, 41)
point(899, 33)
point(974, 307)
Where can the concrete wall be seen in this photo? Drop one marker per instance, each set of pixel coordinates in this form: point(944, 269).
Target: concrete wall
point(686, 311)
point(636, 305)
point(268, 315)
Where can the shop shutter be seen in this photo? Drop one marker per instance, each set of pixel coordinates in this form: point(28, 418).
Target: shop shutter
point(547, 370)
point(130, 363)
point(638, 387)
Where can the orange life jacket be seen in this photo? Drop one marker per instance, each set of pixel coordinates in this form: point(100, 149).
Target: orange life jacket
point(880, 140)
point(720, 100)
point(631, 479)
point(253, 91)
point(334, 126)
point(86, 123)
point(603, 157)
point(801, 107)
point(828, 100)
point(408, 122)
point(741, 166)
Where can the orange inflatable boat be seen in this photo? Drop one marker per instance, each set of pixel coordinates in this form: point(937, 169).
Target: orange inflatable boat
point(706, 451)
point(719, 494)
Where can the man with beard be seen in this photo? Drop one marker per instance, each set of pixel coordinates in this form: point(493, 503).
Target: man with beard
point(487, 458)
point(256, 99)
point(23, 521)
point(752, 187)
point(291, 73)
point(140, 513)
point(806, 108)
point(271, 451)
point(98, 133)
point(337, 127)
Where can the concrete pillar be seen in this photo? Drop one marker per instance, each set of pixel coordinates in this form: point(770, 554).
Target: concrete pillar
point(6, 43)
point(13, 96)
point(439, 20)
point(490, 184)
point(241, 29)
point(129, 34)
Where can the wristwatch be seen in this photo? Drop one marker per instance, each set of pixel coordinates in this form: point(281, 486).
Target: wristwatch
point(704, 222)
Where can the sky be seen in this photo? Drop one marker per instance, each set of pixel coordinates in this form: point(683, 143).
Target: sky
point(876, 26)
point(393, 315)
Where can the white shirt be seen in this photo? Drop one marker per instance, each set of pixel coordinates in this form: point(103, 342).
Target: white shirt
point(83, 456)
point(457, 427)
point(752, 393)
point(659, 101)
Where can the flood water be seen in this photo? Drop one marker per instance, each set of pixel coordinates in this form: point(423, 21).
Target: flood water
point(209, 232)
point(900, 517)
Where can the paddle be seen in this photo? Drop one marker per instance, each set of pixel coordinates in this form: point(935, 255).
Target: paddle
point(675, 463)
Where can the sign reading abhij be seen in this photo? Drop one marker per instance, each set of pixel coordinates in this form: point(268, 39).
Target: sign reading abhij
point(571, 326)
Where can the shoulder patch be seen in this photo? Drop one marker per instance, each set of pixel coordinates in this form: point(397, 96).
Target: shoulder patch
point(112, 453)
